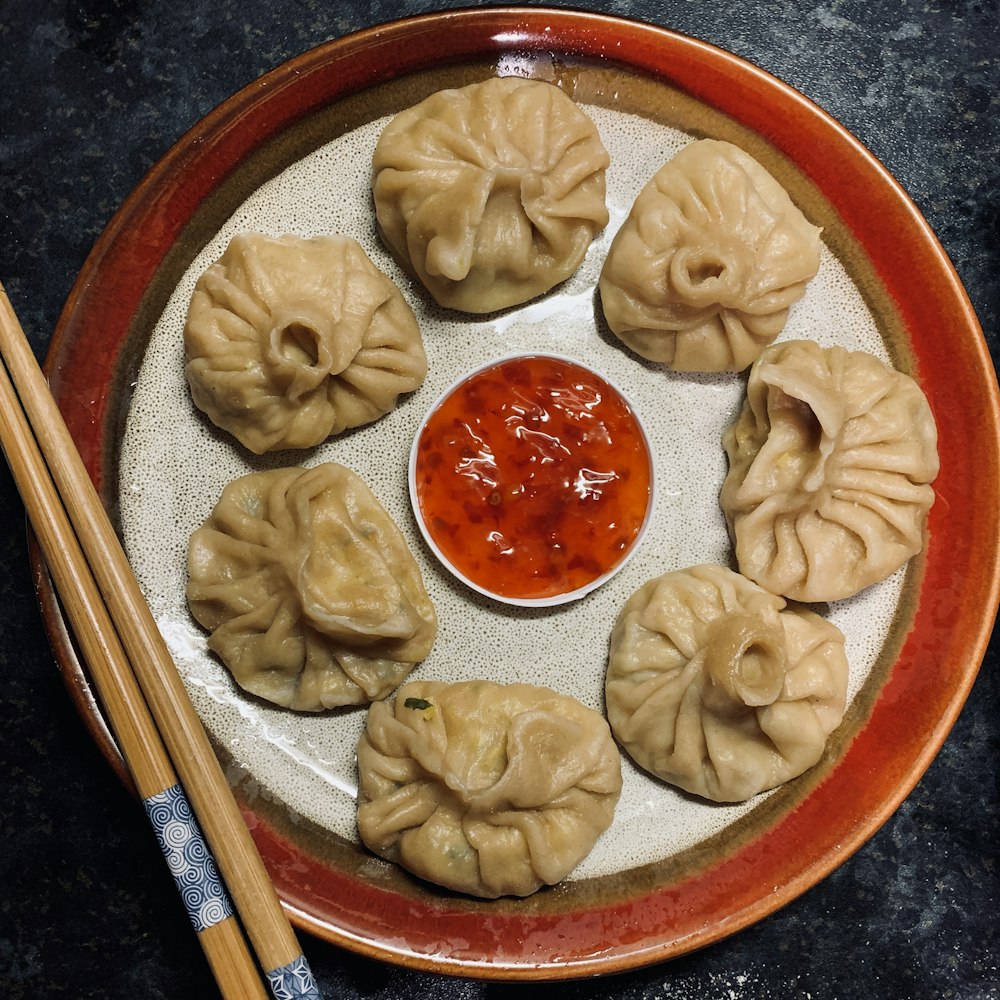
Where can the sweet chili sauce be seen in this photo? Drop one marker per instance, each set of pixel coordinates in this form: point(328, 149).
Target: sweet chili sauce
point(532, 477)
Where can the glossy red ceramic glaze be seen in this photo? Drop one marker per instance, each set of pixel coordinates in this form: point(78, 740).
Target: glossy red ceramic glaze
point(608, 928)
point(533, 478)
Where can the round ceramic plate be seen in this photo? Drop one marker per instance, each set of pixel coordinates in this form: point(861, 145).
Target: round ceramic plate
point(290, 154)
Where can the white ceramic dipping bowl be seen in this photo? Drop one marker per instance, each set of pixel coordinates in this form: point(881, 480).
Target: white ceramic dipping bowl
point(549, 600)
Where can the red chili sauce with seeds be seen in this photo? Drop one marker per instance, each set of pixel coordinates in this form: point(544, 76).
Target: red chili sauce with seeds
point(533, 477)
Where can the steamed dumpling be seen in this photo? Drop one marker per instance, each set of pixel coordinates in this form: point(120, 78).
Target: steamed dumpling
point(713, 686)
point(310, 593)
point(713, 254)
point(289, 340)
point(490, 194)
point(830, 465)
point(488, 789)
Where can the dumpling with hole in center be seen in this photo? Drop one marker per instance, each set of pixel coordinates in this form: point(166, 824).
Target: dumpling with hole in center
point(715, 686)
point(831, 462)
point(703, 272)
point(289, 340)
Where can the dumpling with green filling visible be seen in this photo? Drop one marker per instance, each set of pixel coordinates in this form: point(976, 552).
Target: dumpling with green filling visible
point(484, 788)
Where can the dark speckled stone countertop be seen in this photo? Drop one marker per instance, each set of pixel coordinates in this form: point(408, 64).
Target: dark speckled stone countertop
point(92, 93)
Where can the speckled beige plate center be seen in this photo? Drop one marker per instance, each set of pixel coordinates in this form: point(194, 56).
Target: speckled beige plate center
point(174, 465)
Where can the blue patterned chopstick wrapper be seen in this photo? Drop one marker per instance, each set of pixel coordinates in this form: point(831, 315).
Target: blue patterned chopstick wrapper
point(201, 888)
point(188, 857)
point(294, 982)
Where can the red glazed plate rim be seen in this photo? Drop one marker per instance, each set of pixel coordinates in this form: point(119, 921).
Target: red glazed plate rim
point(938, 658)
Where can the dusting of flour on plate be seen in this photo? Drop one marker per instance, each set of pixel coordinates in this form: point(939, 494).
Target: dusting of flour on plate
point(174, 466)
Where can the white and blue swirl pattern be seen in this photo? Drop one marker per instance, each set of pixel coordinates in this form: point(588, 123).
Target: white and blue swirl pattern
point(294, 981)
point(188, 857)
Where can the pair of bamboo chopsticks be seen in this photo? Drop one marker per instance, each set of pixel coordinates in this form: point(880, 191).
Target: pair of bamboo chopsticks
point(154, 722)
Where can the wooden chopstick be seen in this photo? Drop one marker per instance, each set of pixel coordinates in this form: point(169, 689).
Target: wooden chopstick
point(115, 626)
point(218, 931)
